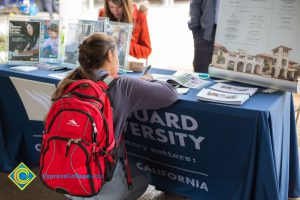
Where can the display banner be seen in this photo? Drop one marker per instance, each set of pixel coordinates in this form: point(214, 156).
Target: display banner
point(258, 42)
point(181, 151)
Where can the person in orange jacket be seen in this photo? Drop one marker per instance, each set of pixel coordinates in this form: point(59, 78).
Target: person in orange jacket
point(127, 12)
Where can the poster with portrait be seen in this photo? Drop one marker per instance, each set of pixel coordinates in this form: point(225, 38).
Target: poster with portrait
point(50, 41)
point(23, 40)
point(121, 33)
point(258, 42)
point(75, 33)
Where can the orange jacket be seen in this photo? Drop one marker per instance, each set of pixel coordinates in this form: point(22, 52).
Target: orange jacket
point(140, 45)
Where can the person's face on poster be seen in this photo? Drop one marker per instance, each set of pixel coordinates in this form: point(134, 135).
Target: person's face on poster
point(122, 39)
point(52, 34)
point(29, 29)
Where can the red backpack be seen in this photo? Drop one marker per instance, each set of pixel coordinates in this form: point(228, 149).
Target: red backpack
point(79, 151)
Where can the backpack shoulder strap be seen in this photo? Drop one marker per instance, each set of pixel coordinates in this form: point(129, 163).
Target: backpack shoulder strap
point(109, 80)
point(82, 81)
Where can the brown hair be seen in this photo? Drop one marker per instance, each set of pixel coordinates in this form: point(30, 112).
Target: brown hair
point(128, 10)
point(92, 54)
point(53, 27)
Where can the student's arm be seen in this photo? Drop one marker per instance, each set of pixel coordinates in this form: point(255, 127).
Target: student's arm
point(142, 94)
point(140, 45)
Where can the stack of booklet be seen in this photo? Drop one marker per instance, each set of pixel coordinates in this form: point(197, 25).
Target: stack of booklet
point(225, 93)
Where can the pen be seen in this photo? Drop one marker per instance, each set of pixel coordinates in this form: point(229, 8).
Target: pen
point(147, 69)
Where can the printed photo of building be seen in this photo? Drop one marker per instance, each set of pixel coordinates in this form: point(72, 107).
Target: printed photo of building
point(277, 65)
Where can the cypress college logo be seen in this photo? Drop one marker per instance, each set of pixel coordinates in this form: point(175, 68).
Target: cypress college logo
point(21, 176)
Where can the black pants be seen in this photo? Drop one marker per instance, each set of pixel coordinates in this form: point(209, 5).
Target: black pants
point(203, 52)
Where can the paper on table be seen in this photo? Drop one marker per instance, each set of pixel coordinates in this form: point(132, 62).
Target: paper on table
point(182, 90)
point(222, 97)
point(24, 68)
point(189, 80)
point(60, 76)
point(234, 89)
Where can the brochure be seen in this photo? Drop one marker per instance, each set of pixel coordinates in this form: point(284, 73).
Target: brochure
point(49, 48)
point(221, 97)
point(189, 80)
point(24, 68)
point(60, 76)
point(23, 41)
point(121, 32)
point(76, 32)
point(234, 89)
point(50, 66)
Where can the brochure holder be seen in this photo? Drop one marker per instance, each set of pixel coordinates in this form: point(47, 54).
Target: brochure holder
point(50, 41)
point(45, 42)
point(100, 25)
point(23, 40)
point(75, 33)
point(121, 32)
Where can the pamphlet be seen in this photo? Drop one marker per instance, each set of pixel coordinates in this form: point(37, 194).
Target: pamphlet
point(221, 97)
point(76, 32)
point(60, 76)
point(182, 91)
point(23, 41)
point(121, 33)
point(24, 68)
point(234, 89)
point(189, 80)
point(50, 42)
point(47, 66)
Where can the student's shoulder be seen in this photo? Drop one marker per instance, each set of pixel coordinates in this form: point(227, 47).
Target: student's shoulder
point(125, 79)
point(125, 83)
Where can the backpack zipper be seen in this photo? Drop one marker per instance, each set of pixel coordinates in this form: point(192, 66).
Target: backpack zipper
point(78, 142)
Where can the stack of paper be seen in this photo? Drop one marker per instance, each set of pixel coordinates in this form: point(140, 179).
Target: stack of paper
point(234, 89)
point(222, 97)
point(24, 68)
point(225, 93)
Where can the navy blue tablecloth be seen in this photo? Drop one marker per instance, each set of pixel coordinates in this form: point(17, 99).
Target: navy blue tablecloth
point(197, 149)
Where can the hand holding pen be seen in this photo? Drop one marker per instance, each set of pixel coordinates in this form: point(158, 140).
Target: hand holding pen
point(147, 69)
point(146, 75)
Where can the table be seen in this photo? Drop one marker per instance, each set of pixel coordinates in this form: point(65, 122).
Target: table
point(197, 149)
